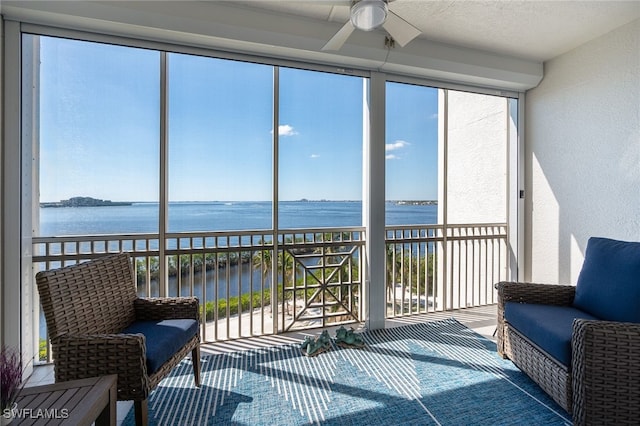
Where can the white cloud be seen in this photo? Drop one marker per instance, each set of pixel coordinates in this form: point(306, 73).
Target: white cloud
point(433, 116)
point(315, 155)
point(392, 157)
point(399, 144)
point(286, 130)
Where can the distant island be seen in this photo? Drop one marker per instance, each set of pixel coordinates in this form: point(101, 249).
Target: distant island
point(96, 202)
point(397, 202)
point(85, 202)
point(417, 202)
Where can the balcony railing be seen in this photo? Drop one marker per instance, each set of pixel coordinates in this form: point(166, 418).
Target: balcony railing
point(435, 268)
point(318, 272)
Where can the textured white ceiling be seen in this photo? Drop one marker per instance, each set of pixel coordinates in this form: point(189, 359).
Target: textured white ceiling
point(491, 44)
point(533, 30)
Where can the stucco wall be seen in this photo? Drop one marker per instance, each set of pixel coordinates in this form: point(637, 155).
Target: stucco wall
point(583, 154)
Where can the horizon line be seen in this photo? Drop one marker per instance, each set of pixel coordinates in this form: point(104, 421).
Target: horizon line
point(303, 200)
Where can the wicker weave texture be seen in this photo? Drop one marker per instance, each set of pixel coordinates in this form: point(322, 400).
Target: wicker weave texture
point(158, 308)
point(94, 297)
point(87, 306)
point(602, 386)
point(79, 357)
point(606, 369)
point(551, 376)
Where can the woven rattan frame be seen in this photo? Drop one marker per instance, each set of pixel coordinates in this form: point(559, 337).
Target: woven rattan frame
point(551, 376)
point(606, 372)
point(87, 305)
point(603, 384)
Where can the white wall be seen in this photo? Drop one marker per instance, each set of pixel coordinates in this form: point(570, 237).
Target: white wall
point(583, 154)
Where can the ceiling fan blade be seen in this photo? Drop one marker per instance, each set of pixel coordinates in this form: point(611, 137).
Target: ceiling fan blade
point(401, 31)
point(340, 37)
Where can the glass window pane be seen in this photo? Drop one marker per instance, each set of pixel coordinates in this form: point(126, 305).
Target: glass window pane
point(320, 149)
point(477, 158)
point(411, 154)
point(220, 144)
point(99, 137)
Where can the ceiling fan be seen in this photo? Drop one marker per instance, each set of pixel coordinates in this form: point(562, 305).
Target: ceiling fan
point(367, 15)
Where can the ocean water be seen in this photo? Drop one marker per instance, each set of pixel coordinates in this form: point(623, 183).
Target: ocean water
point(218, 216)
point(221, 216)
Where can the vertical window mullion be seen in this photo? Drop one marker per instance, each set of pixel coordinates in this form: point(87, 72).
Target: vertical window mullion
point(275, 199)
point(163, 184)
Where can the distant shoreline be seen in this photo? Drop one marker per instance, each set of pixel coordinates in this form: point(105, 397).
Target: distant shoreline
point(417, 202)
point(85, 202)
point(95, 202)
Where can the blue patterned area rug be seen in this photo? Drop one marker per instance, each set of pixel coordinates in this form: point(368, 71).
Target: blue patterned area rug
point(433, 373)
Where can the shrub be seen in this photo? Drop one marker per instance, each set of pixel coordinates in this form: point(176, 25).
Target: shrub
point(10, 378)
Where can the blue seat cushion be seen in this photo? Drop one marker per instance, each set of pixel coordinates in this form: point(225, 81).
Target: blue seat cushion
point(548, 326)
point(163, 338)
point(609, 282)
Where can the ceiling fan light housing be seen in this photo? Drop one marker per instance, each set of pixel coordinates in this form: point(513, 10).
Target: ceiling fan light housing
point(367, 15)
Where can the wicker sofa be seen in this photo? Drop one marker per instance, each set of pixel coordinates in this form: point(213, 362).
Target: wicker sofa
point(98, 326)
point(581, 343)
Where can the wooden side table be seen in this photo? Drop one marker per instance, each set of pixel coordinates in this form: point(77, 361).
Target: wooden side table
point(76, 402)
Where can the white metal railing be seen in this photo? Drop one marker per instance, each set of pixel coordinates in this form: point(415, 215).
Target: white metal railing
point(322, 271)
point(435, 268)
point(318, 272)
point(317, 275)
point(411, 269)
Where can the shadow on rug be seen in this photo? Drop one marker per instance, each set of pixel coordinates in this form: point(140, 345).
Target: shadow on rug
point(434, 373)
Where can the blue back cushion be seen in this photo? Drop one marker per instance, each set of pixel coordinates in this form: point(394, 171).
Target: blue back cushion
point(609, 282)
point(163, 338)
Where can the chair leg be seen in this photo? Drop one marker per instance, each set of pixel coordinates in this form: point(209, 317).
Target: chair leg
point(141, 412)
point(195, 360)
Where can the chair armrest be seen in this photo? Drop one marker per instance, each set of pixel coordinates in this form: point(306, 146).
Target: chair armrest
point(546, 294)
point(83, 356)
point(605, 368)
point(159, 308)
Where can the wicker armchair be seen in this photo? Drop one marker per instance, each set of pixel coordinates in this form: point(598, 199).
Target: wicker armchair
point(600, 383)
point(89, 308)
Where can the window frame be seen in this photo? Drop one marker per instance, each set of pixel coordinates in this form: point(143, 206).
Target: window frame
point(18, 165)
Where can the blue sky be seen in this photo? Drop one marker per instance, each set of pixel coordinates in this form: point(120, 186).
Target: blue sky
point(100, 132)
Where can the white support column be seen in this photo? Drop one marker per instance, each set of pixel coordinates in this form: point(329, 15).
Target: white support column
point(17, 179)
point(516, 217)
point(275, 224)
point(30, 195)
point(2, 299)
point(373, 202)
point(443, 294)
point(11, 297)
